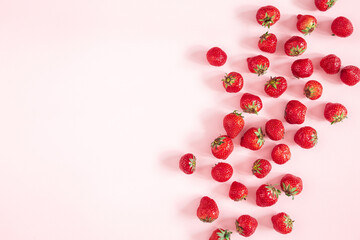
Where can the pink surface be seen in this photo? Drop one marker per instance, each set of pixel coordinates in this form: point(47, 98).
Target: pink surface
point(99, 99)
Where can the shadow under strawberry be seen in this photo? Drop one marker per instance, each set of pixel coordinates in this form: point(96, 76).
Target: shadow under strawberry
point(305, 5)
point(197, 54)
point(213, 81)
point(316, 111)
point(170, 160)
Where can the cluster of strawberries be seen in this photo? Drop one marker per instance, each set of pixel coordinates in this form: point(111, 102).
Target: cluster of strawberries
point(295, 112)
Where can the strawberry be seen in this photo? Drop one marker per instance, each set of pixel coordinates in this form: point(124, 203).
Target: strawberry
point(306, 137)
point(222, 172)
point(291, 185)
point(275, 87)
point(335, 112)
point(238, 191)
point(342, 27)
point(274, 129)
point(187, 163)
point(324, 5)
point(295, 112)
point(281, 154)
point(267, 42)
point(233, 82)
point(350, 75)
point(331, 64)
point(261, 168)
point(222, 147)
point(220, 234)
point(250, 103)
point(313, 90)
point(258, 64)
point(302, 68)
point(253, 139)
point(246, 225)
point(295, 46)
point(216, 57)
point(282, 223)
point(267, 195)
point(306, 24)
point(208, 210)
point(267, 16)
point(233, 124)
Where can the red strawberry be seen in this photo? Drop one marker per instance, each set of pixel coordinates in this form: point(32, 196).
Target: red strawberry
point(258, 64)
point(350, 75)
point(222, 147)
point(187, 163)
point(306, 137)
point(342, 27)
point(222, 172)
point(216, 57)
point(250, 103)
point(267, 16)
point(302, 68)
point(208, 210)
point(267, 42)
point(238, 191)
point(274, 129)
point(261, 168)
point(335, 112)
point(267, 195)
point(233, 124)
point(324, 5)
point(253, 139)
point(295, 46)
point(306, 24)
point(281, 154)
point(331, 64)
point(233, 82)
point(313, 90)
point(246, 225)
point(291, 185)
point(220, 234)
point(282, 223)
point(275, 87)
point(295, 112)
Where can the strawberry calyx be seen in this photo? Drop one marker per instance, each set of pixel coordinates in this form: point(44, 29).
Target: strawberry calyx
point(223, 234)
point(237, 113)
point(264, 37)
point(260, 136)
point(296, 51)
point(330, 3)
point(274, 191)
point(217, 142)
point(207, 219)
point(228, 80)
point(192, 164)
point(256, 168)
point(309, 92)
point(314, 138)
point(241, 198)
point(267, 20)
point(239, 229)
point(338, 118)
point(288, 221)
point(260, 69)
point(272, 82)
point(251, 108)
point(289, 191)
point(309, 29)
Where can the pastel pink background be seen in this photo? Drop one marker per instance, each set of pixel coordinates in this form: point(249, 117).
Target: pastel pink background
point(99, 99)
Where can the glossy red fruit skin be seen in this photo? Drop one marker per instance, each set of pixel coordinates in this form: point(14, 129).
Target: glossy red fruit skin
point(222, 172)
point(233, 124)
point(306, 137)
point(324, 5)
point(302, 68)
point(275, 129)
point(208, 210)
point(261, 168)
point(282, 223)
point(258, 64)
point(295, 46)
point(222, 147)
point(335, 112)
point(187, 163)
point(350, 75)
point(246, 225)
point(281, 154)
point(342, 27)
point(291, 185)
point(313, 90)
point(216, 57)
point(220, 234)
point(233, 82)
point(250, 103)
point(275, 87)
point(295, 112)
point(238, 191)
point(267, 16)
point(253, 139)
point(306, 24)
point(267, 42)
point(331, 64)
point(267, 195)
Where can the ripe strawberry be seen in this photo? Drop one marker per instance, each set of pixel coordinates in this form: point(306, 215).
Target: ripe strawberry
point(246, 225)
point(335, 112)
point(250, 103)
point(222, 147)
point(295, 112)
point(233, 82)
point(306, 137)
point(306, 24)
point(220, 234)
point(282, 223)
point(261, 168)
point(291, 185)
point(313, 90)
point(331, 64)
point(238, 191)
point(267, 16)
point(274, 129)
point(208, 210)
point(233, 124)
point(295, 46)
point(324, 5)
point(281, 154)
point(253, 139)
point(267, 42)
point(187, 163)
point(258, 64)
point(350, 75)
point(216, 57)
point(302, 68)
point(267, 195)
point(222, 172)
point(342, 27)
point(275, 87)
